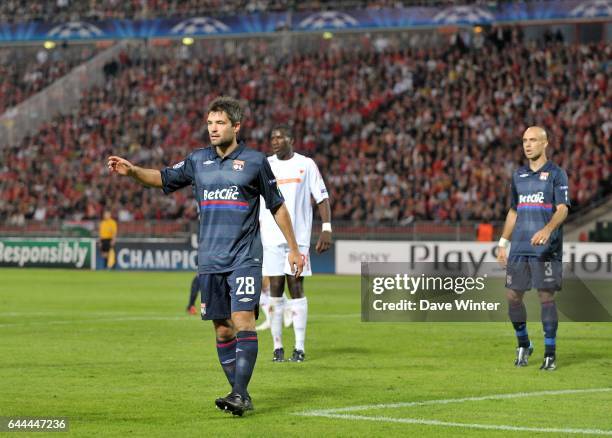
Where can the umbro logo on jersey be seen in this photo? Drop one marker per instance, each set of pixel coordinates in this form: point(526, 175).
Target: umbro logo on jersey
point(207, 162)
point(523, 175)
point(245, 300)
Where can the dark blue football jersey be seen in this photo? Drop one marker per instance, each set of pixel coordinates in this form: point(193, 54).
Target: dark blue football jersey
point(227, 191)
point(535, 197)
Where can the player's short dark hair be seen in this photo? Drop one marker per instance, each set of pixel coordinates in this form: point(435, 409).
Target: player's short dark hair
point(229, 106)
point(284, 130)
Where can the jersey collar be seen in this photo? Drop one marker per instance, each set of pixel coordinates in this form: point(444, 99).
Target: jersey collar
point(232, 156)
point(546, 166)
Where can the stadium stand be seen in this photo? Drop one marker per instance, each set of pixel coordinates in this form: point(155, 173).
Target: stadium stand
point(26, 71)
point(69, 10)
point(401, 133)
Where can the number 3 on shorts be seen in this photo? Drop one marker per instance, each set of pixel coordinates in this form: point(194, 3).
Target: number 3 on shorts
point(548, 270)
point(245, 286)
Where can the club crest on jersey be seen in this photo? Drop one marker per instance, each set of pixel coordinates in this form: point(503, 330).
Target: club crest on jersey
point(238, 165)
point(203, 309)
point(543, 176)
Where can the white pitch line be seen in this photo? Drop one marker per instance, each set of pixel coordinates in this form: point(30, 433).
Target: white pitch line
point(467, 425)
point(453, 400)
point(334, 413)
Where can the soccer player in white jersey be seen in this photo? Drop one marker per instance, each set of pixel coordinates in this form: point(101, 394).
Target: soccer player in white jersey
point(298, 178)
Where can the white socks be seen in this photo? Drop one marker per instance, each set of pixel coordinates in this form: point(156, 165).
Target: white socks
point(264, 303)
point(299, 312)
point(277, 307)
point(300, 315)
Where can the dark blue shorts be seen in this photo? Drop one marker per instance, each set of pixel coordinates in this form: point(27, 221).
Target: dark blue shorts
point(236, 291)
point(526, 272)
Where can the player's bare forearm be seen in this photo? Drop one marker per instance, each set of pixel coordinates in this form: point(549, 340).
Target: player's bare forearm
point(542, 236)
point(283, 220)
point(325, 238)
point(324, 210)
point(146, 177)
point(509, 224)
point(558, 218)
point(506, 235)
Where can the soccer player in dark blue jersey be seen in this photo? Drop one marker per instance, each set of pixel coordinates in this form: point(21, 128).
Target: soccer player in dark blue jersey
point(229, 179)
point(540, 204)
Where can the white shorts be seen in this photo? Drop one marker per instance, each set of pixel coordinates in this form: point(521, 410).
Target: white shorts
point(276, 264)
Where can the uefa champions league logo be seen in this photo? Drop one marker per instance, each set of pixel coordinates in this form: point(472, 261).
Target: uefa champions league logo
point(75, 29)
point(463, 14)
point(328, 19)
point(594, 8)
point(200, 25)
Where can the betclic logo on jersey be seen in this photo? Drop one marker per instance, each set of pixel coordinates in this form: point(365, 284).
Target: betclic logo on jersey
point(227, 194)
point(533, 198)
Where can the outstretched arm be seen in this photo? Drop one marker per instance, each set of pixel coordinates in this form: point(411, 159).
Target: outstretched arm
point(146, 177)
point(282, 218)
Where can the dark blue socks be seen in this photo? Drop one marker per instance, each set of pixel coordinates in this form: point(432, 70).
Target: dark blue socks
point(550, 322)
point(246, 355)
point(226, 350)
point(518, 316)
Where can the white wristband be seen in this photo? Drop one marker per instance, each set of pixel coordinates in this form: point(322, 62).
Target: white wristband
point(504, 243)
point(326, 227)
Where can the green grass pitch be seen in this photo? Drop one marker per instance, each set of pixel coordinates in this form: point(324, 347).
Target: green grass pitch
point(116, 354)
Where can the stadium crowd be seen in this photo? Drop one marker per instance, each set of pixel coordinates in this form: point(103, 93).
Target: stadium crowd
point(15, 11)
point(26, 72)
point(400, 133)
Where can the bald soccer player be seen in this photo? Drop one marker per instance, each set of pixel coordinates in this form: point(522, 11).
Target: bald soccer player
point(539, 205)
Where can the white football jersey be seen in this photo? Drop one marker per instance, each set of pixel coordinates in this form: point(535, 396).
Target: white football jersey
point(297, 178)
